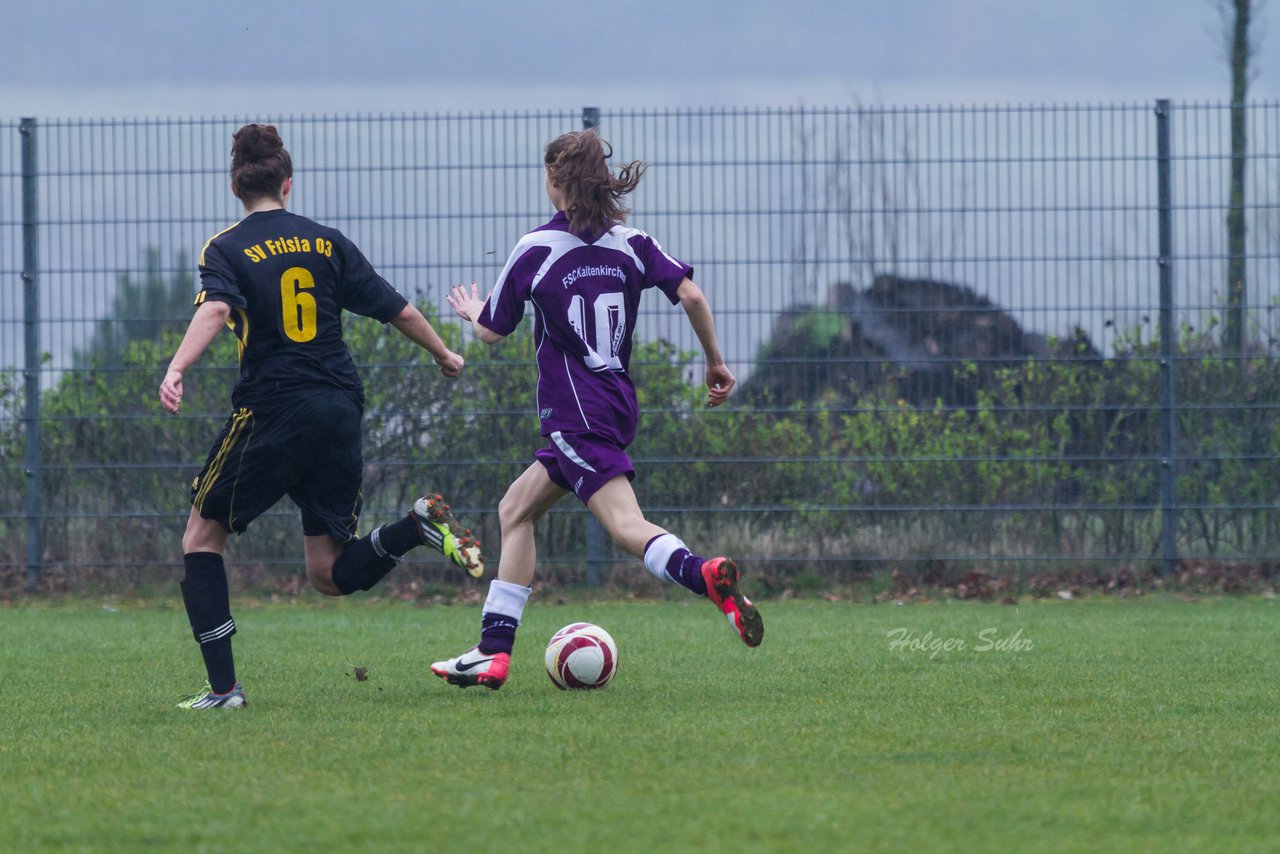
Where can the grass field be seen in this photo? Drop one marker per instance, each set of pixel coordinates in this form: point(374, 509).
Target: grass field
point(1101, 725)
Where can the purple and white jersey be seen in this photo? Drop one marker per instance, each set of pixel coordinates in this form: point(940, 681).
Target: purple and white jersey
point(585, 298)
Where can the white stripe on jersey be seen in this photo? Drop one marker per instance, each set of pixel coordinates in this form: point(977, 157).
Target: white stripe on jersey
point(559, 242)
point(568, 451)
point(537, 354)
point(573, 387)
point(562, 242)
point(619, 238)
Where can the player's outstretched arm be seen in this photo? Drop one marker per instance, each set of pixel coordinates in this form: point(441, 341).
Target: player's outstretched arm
point(720, 379)
point(469, 306)
point(209, 318)
point(412, 325)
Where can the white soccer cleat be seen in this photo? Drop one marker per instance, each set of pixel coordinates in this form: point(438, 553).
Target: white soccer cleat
point(474, 667)
point(207, 699)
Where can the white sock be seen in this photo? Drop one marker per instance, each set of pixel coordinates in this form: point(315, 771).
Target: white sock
point(507, 599)
point(658, 553)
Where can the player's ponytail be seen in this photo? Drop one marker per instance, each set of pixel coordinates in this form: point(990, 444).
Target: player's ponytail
point(259, 163)
point(593, 195)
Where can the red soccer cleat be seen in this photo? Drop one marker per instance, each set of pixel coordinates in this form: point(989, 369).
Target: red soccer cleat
point(721, 575)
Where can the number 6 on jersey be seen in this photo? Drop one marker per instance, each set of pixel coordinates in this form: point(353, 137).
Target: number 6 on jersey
point(299, 307)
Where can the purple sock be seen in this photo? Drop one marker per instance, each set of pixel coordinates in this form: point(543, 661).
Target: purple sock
point(497, 633)
point(686, 568)
point(666, 556)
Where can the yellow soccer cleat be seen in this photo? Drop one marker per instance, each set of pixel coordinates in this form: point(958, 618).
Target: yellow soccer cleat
point(440, 529)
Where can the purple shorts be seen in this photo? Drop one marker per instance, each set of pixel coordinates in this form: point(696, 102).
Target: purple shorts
point(583, 462)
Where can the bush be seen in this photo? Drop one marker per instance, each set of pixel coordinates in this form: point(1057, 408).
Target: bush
point(1055, 460)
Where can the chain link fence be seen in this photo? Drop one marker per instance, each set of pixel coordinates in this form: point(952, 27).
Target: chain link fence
point(1008, 340)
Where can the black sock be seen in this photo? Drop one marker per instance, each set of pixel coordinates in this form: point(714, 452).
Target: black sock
point(208, 603)
point(220, 665)
point(361, 566)
point(400, 536)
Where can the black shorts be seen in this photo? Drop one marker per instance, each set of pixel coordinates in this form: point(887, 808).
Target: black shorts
point(309, 450)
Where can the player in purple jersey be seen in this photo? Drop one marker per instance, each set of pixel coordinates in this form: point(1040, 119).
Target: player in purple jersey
point(281, 282)
point(584, 273)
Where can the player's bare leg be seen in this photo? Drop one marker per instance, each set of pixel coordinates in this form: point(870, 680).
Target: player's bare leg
point(203, 535)
point(668, 558)
point(320, 553)
point(527, 500)
point(615, 505)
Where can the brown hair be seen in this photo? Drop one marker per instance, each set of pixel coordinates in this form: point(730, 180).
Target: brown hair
point(259, 163)
point(575, 162)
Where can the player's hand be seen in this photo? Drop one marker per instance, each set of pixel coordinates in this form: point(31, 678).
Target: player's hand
point(171, 392)
point(451, 365)
point(468, 305)
point(720, 382)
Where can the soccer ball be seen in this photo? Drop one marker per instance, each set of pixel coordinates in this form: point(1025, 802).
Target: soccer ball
point(581, 655)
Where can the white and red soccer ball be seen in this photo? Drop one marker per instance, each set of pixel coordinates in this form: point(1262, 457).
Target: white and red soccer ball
point(581, 655)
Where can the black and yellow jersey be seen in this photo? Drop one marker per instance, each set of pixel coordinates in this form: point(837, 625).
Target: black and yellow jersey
point(288, 280)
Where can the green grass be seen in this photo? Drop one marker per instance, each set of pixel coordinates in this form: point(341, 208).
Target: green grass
point(1142, 725)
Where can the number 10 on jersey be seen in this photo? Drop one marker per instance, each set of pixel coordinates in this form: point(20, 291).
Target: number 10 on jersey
point(610, 316)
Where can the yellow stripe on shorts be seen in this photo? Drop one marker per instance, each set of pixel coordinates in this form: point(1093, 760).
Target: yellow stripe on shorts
point(238, 422)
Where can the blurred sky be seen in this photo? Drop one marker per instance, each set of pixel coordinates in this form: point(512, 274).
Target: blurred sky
point(74, 58)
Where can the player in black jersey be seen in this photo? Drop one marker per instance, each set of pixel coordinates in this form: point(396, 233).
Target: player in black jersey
point(281, 282)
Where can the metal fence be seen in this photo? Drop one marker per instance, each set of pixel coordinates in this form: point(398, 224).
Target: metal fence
point(1002, 339)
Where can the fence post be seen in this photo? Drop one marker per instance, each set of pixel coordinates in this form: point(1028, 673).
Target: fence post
point(1168, 349)
point(595, 533)
point(31, 371)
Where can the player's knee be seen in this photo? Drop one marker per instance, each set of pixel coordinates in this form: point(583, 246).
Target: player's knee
point(512, 513)
point(203, 535)
point(630, 531)
point(623, 533)
point(321, 578)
